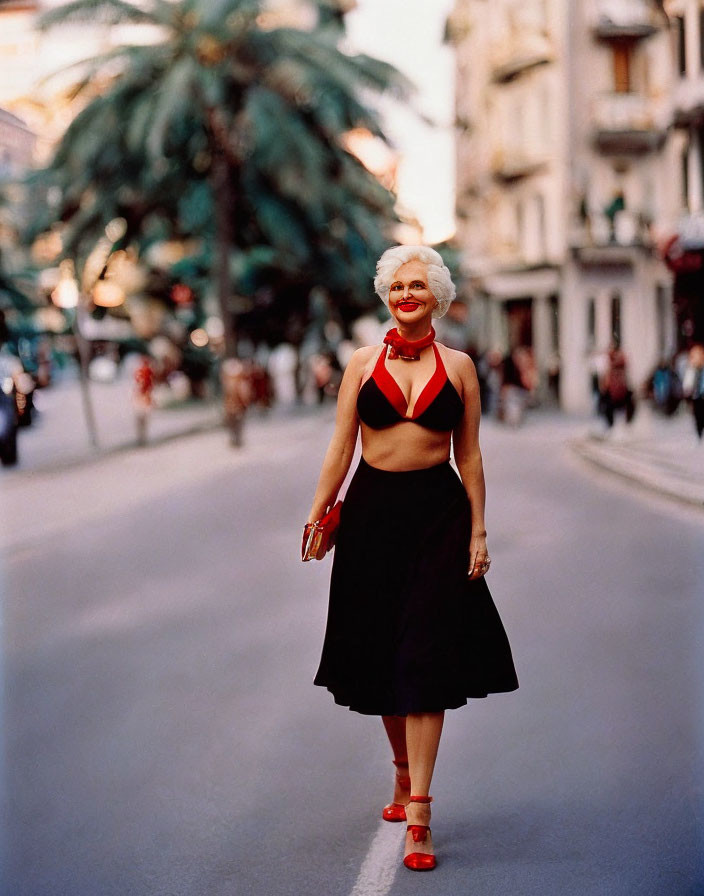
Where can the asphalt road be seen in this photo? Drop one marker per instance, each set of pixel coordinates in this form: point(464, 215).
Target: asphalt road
point(162, 736)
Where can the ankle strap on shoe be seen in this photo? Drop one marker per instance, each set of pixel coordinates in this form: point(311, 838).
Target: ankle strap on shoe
point(400, 763)
point(421, 799)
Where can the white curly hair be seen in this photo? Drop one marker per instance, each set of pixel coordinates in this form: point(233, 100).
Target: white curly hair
point(439, 279)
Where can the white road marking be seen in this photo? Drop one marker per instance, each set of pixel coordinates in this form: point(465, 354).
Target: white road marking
point(379, 867)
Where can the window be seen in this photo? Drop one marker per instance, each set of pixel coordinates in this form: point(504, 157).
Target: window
point(622, 68)
point(681, 45)
point(541, 223)
point(591, 323)
point(554, 305)
point(520, 226)
point(662, 306)
point(616, 318)
point(684, 164)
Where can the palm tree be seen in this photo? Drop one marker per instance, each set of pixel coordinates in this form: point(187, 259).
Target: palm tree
point(230, 130)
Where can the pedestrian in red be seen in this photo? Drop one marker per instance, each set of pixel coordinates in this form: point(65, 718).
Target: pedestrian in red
point(142, 397)
point(615, 391)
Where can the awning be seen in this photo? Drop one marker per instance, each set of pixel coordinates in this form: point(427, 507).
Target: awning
point(683, 251)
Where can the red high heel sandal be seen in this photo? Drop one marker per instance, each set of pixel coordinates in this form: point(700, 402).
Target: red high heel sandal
point(397, 811)
point(420, 861)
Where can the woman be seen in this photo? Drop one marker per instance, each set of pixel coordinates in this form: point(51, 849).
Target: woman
point(412, 629)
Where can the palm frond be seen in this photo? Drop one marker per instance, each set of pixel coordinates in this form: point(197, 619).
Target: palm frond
point(128, 56)
point(104, 12)
point(174, 97)
point(234, 14)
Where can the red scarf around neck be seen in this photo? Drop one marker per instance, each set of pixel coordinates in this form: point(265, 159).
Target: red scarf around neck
point(404, 348)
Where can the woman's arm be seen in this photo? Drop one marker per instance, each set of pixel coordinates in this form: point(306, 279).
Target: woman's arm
point(338, 457)
point(468, 458)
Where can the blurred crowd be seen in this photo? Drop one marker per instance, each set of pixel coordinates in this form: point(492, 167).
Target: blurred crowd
point(675, 382)
point(310, 373)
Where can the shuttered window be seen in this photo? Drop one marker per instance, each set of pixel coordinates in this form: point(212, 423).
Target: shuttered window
point(622, 68)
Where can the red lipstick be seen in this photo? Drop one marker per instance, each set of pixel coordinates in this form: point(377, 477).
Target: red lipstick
point(407, 306)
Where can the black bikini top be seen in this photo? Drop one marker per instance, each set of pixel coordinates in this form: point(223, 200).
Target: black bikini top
point(381, 403)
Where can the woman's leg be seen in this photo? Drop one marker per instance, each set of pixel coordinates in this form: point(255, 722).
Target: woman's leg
point(396, 732)
point(423, 732)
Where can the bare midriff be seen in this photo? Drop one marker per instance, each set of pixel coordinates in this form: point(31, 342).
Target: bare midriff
point(404, 446)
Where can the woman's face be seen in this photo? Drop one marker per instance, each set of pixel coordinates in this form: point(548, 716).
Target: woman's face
point(410, 298)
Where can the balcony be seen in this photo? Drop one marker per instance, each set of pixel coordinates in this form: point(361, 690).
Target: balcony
point(625, 20)
point(511, 163)
point(523, 50)
point(628, 124)
point(688, 102)
point(608, 241)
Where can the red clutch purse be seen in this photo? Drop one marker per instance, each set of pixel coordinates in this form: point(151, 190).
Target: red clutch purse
point(319, 537)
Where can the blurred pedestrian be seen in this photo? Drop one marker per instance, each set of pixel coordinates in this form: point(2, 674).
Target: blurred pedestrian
point(513, 394)
point(237, 396)
point(412, 629)
point(142, 399)
point(262, 386)
point(321, 370)
point(664, 387)
point(615, 391)
point(693, 386)
point(10, 368)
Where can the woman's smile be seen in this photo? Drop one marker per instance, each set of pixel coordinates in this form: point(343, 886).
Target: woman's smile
point(410, 294)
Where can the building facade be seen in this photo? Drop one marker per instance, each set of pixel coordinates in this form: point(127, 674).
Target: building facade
point(564, 172)
point(683, 245)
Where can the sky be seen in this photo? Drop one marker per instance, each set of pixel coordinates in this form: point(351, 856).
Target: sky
point(408, 34)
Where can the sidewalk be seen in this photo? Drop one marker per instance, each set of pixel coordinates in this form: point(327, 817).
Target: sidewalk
point(661, 454)
point(58, 436)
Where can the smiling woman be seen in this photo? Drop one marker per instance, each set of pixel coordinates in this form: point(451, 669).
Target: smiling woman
point(412, 629)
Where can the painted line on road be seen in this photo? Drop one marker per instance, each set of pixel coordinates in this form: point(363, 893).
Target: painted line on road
point(378, 870)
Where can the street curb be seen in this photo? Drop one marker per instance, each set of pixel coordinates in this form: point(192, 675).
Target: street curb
point(628, 466)
point(95, 455)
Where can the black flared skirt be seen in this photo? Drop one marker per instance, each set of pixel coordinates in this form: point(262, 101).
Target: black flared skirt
point(406, 630)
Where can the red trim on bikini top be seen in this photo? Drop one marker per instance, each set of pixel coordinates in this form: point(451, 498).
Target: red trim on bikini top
point(391, 390)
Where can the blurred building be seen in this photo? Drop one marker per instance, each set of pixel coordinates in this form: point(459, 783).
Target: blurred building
point(16, 145)
point(16, 152)
point(564, 169)
point(683, 245)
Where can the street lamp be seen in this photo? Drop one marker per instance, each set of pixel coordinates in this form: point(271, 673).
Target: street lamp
point(66, 294)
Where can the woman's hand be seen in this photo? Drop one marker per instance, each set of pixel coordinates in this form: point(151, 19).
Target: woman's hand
point(479, 560)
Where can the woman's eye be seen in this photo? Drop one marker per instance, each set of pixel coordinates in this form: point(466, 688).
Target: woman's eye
point(396, 286)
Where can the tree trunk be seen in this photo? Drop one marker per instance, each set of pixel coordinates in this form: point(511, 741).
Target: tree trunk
point(233, 409)
point(222, 191)
point(86, 398)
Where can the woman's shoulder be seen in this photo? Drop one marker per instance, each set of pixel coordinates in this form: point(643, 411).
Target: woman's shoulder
point(361, 356)
point(360, 361)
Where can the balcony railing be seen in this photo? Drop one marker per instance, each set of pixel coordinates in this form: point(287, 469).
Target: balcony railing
point(628, 123)
point(510, 163)
point(523, 50)
point(688, 101)
point(625, 229)
point(625, 19)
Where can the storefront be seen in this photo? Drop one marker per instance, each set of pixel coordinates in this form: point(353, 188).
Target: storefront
point(683, 253)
